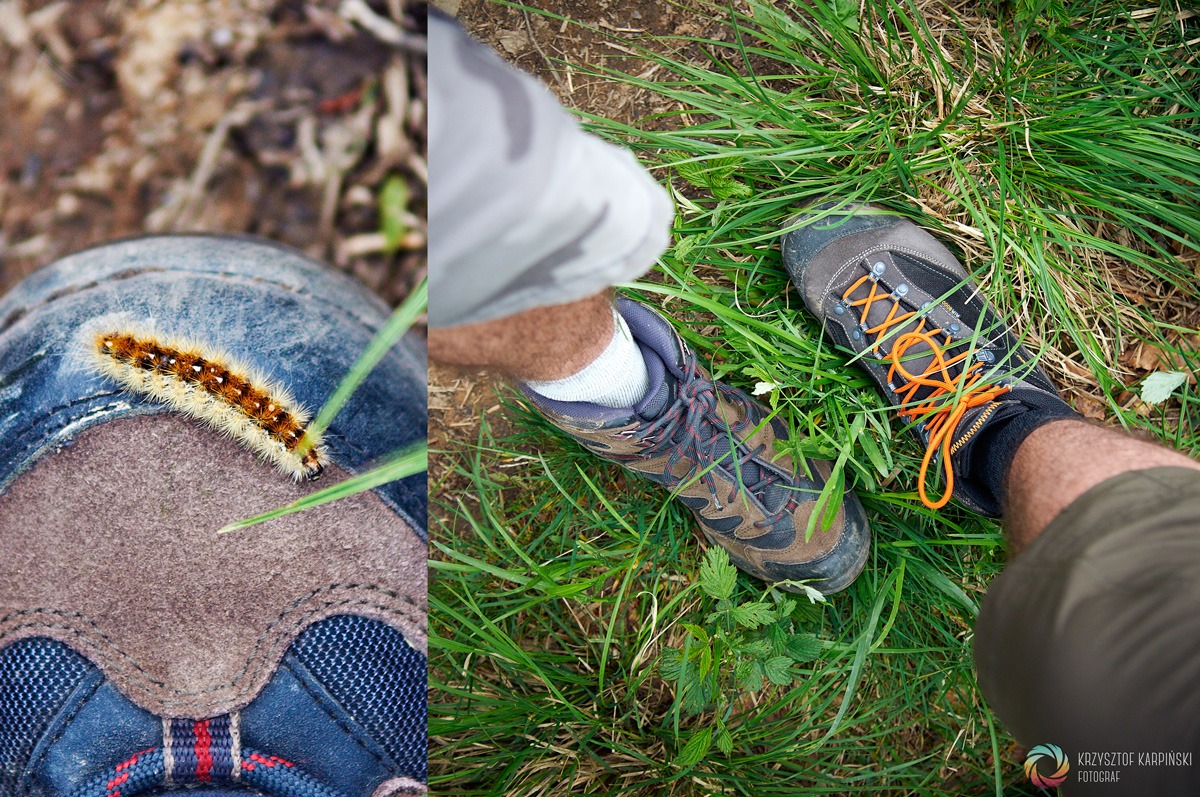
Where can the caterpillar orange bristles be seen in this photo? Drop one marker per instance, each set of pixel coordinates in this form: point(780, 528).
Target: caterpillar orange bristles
point(208, 385)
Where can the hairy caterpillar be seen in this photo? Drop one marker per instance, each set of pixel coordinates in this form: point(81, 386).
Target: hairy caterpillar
point(209, 385)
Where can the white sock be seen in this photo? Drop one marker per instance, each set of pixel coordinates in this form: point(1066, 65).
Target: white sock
point(617, 378)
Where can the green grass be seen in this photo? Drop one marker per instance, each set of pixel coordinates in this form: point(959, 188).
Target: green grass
point(396, 465)
point(1058, 153)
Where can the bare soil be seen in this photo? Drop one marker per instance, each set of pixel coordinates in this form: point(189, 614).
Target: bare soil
point(275, 117)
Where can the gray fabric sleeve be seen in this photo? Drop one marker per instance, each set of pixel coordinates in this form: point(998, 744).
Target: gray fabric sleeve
point(525, 209)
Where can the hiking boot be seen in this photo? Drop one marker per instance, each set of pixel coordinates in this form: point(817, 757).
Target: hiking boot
point(886, 290)
point(710, 444)
point(141, 652)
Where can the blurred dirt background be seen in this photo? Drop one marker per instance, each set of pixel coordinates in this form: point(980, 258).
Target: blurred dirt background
point(288, 119)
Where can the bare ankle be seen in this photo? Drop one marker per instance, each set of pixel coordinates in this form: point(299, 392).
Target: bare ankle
point(1063, 460)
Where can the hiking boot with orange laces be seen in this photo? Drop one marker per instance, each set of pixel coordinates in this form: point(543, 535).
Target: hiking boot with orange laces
point(714, 448)
point(888, 291)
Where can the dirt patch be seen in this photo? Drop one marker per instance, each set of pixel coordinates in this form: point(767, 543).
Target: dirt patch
point(603, 35)
point(275, 117)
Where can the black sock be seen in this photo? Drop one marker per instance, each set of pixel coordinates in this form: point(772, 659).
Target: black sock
point(981, 465)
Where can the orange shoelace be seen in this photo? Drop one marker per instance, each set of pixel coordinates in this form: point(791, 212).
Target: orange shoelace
point(941, 419)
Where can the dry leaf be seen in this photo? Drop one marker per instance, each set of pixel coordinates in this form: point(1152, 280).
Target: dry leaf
point(1089, 407)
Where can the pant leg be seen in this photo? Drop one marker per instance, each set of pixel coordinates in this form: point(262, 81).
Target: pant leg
point(525, 209)
point(1090, 639)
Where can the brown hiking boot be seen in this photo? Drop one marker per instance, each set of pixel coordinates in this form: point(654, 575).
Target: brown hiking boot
point(711, 445)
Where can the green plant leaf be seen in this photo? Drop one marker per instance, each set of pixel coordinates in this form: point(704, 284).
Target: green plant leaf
point(401, 465)
point(694, 172)
point(758, 648)
point(695, 749)
point(393, 207)
point(696, 631)
point(399, 322)
point(1159, 385)
point(717, 576)
point(846, 12)
point(753, 615)
point(778, 670)
point(725, 742)
point(874, 454)
point(684, 246)
point(803, 647)
point(670, 665)
point(728, 188)
point(698, 693)
point(778, 636)
point(749, 675)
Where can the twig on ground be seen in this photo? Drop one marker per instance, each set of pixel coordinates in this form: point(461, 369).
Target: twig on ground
point(382, 28)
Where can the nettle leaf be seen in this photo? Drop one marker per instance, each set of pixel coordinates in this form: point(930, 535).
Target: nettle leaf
point(847, 13)
point(698, 694)
point(695, 749)
point(705, 665)
point(725, 742)
point(728, 188)
point(778, 636)
point(685, 245)
point(697, 632)
point(749, 675)
point(778, 670)
point(694, 172)
point(743, 670)
point(670, 665)
point(758, 649)
point(1159, 386)
point(803, 647)
point(724, 165)
point(757, 372)
point(752, 615)
point(717, 575)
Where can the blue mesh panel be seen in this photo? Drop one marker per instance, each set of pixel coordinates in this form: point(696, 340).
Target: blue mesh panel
point(36, 676)
point(372, 672)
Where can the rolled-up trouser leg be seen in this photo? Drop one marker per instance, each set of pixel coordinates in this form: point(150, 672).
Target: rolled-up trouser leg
point(525, 209)
point(1090, 639)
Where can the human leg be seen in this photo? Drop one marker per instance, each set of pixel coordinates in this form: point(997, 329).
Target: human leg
point(1088, 638)
point(526, 237)
point(541, 343)
point(1060, 462)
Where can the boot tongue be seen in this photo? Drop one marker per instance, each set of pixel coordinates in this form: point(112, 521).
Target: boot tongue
point(664, 393)
point(663, 387)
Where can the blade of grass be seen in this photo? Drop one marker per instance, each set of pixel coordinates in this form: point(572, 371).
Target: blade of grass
point(400, 465)
point(399, 323)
